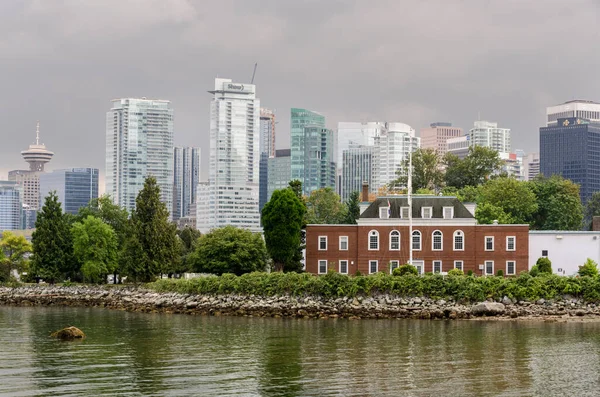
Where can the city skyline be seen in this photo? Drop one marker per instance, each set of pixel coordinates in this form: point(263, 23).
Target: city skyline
point(496, 59)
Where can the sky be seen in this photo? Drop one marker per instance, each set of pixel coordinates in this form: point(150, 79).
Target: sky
point(417, 62)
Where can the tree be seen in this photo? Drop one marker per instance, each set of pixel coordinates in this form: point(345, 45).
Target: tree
point(187, 237)
point(544, 265)
point(592, 209)
point(324, 206)
point(95, 247)
point(426, 171)
point(13, 250)
point(559, 204)
point(487, 213)
point(473, 170)
point(589, 268)
point(229, 250)
point(110, 213)
point(296, 186)
point(352, 209)
point(52, 244)
point(514, 197)
point(282, 219)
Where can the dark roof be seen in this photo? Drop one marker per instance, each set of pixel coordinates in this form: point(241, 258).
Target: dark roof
point(437, 202)
point(283, 152)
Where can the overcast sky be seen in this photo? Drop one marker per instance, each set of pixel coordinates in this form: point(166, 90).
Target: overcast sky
point(62, 61)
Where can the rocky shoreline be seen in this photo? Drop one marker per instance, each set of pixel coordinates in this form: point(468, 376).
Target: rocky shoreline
point(137, 299)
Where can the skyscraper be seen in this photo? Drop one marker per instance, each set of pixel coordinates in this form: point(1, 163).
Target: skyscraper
point(577, 108)
point(139, 143)
point(231, 197)
point(357, 167)
point(436, 136)
point(10, 205)
point(186, 175)
point(267, 151)
point(279, 171)
point(488, 134)
point(390, 152)
point(75, 187)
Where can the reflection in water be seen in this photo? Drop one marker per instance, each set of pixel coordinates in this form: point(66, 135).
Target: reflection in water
point(154, 354)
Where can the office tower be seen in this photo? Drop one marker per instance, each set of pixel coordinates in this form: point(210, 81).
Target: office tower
point(186, 175)
point(531, 166)
point(571, 147)
point(488, 134)
point(231, 197)
point(357, 166)
point(578, 108)
point(267, 151)
point(436, 136)
point(75, 187)
point(391, 150)
point(279, 171)
point(458, 146)
point(10, 205)
point(139, 143)
point(355, 133)
point(29, 180)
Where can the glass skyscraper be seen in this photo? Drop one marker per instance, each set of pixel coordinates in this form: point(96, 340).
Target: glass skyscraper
point(10, 205)
point(267, 151)
point(357, 166)
point(186, 174)
point(279, 171)
point(139, 143)
point(75, 187)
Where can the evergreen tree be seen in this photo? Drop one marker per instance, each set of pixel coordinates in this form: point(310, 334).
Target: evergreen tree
point(352, 209)
point(52, 243)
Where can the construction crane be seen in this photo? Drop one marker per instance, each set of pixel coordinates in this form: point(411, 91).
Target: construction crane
point(254, 73)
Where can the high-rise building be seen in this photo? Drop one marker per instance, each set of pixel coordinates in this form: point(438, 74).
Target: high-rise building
point(391, 150)
point(75, 187)
point(139, 143)
point(300, 118)
point(10, 205)
point(436, 136)
point(357, 167)
point(267, 151)
point(279, 171)
point(531, 166)
point(356, 133)
point(186, 175)
point(578, 108)
point(458, 146)
point(233, 184)
point(571, 148)
point(488, 134)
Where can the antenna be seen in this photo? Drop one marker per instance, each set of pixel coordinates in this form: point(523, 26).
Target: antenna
point(37, 133)
point(254, 73)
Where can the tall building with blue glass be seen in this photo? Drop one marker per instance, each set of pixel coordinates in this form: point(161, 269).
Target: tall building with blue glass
point(10, 205)
point(75, 187)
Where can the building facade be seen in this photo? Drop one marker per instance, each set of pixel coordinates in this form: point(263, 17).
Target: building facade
point(577, 108)
point(458, 146)
point(10, 206)
point(186, 175)
point(390, 151)
point(75, 187)
point(279, 173)
point(445, 236)
point(139, 143)
point(357, 168)
point(267, 151)
point(232, 197)
point(488, 134)
point(436, 136)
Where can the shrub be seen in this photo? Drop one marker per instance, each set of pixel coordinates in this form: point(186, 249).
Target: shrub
point(534, 271)
point(544, 265)
point(589, 268)
point(406, 269)
point(500, 273)
point(456, 272)
point(469, 273)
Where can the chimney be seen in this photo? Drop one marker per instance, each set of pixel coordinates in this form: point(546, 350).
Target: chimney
point(365, 192)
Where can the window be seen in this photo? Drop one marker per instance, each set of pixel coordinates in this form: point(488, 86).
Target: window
point(448, 212)
point(510, 267)
point(419, 265)
point(436, 241)
point(344, 266)
point(322, 243)
point(511, 242)
point(322, 266)
point(489, 267)
point(489, 243)
point(404, 212)
point(373, 240)
point(395, 240)
point(394, 265)
point(544, 253)
point(416, 240)
point(459, 241)
point(372, 267)
point(426, 212)
point(343, 243)
point(458, 265)
point(437, 266)
point(384, 213)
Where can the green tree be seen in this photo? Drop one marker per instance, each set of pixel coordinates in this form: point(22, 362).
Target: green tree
point(474, 169)
point(52, 244)
point(324, 206)
point(296, 187)
point(544, 265)
point(229, 250)
point(110, 213)
point(282, 219)
point(487, 213)
point(589, 268)
point(187, 239)
point(95, 247)
point(13, 250)
point(514, 197)
point(559, 204)
point(592, 209)
point(426, 171)
point(352, 209)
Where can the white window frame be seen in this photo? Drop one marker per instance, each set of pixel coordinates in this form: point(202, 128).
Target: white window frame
point(342, 240)
point(423, 212)
point(418, 233)
point(402, 209)
point(485, 268)
point(456, 234)
point(433, 266)
point(373, 233)
point(383, 213)
point(319, 266)
point(394, 264)
point(322, 237)
point(420, 265)
point(514, 268)
point(485, 246)
point(462, 265)
point(451, 212)
point(340, 266)
point(514, 240)
point(376, 266)
point(433, 234)
point(391, 248)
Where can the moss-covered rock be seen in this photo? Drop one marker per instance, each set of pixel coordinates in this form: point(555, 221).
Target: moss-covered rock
point(68, 333)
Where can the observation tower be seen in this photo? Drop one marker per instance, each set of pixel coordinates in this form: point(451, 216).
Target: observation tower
point(37, 155)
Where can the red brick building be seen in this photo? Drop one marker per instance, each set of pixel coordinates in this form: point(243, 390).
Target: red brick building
point(445, 236)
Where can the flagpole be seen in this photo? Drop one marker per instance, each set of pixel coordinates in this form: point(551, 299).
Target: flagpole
point(409, 191)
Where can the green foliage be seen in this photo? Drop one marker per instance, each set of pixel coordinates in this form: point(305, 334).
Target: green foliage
point(514, 198)
point(500, 273)
point(186, 241)
point(474, 169)
point(229, 250)
point(456, 272)
point(13, 250)
point(353, 209)
point(52, 244)
point(406, 269)
point(95, 247)
point(487, 213)
point(559, 204)
point(589, 268)
point(427, 172)
point(534, 271)
point(110, 213)
point(324, 206)
point(544, 265)
point(592, 209)
point(468, 194)
point(469, 273)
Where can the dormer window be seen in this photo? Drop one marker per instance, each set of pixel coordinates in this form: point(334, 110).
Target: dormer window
point(404, 212)
point(384, 212)
point(448, 212)
point(426, 212)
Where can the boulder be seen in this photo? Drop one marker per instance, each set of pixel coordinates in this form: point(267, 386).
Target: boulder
point(487, 309)
point(68, 333)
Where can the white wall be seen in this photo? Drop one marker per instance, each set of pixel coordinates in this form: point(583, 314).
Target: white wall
point(566, 250)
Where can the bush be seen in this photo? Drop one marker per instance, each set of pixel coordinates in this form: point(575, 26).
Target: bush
point(500, 273)
point(544, 265)
point(405, 269)
point(534, 271)
point(456, 272)
point(469, 273)
point(589, 268)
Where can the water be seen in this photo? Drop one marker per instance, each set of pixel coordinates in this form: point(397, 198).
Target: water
point(159, 354)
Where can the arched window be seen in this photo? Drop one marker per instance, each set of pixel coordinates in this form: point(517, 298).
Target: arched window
point(436, 241)
point(394, 240)
point(416, 240)
point(373, 240)
point(459, 241)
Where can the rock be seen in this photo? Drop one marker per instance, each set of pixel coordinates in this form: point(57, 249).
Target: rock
point(417, 301)
point(355, 302)
point(506, 301)
point(541, 301)
point(68, 333)
point(488, 309)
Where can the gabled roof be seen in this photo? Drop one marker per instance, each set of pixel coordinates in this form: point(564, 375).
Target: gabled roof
point(436, 202)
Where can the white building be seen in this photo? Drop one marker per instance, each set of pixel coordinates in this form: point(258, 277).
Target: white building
point(232, 194)
point(186, 175)
point(139, 143)
point(391, 150)
point(488, 134)
point(567, 250)
point(531, 166)
point(577, 108)
point(355, 134)
point(458, 146)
